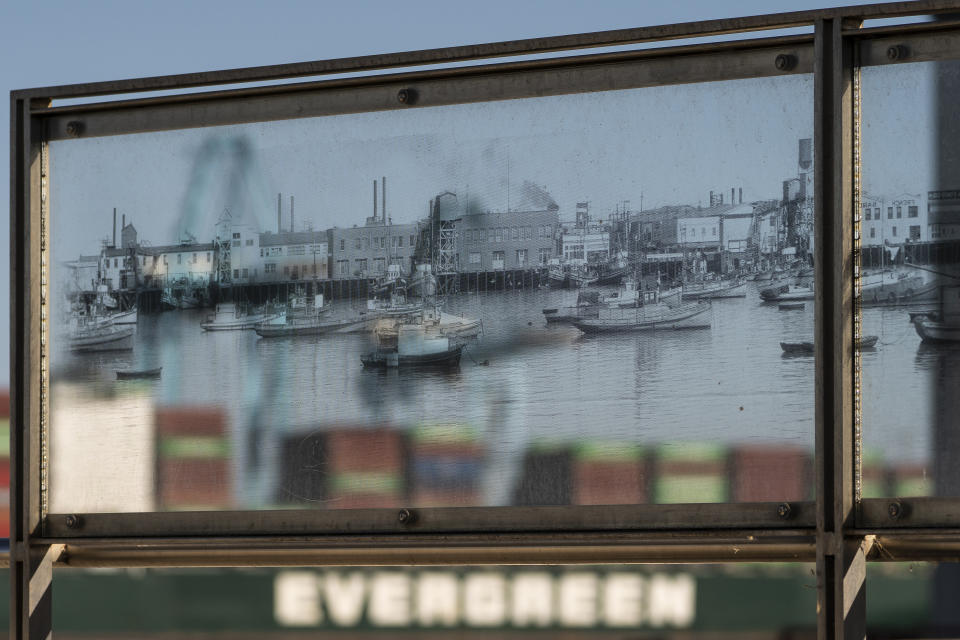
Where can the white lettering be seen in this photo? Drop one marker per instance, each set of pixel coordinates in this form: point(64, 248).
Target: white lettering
point(296, 602)
point(344, 596)
point(532, 599)
point(484, 599)
point(390, 600)
point(621, 600)
point(437, 599)
point(672, 600)
point(578, 600)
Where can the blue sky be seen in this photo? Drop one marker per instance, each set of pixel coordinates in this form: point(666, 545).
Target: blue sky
point(59, 42)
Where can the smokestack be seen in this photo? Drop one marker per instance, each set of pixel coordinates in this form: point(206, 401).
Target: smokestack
point(733, 195)
point(279, 203)
point(114, 226)
point(711, 198)
point(383, 200)
point(741, 195)
point(123, 223)
point(291, 214)
point(374, 199)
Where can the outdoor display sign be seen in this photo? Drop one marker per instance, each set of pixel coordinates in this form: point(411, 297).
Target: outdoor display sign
point(671, 303)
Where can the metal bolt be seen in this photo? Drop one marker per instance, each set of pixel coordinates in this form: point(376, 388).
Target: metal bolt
point(74, 522)
point(783, 510)
point(897, 52)
point(785, 62)
point(407, 96)
point(405, 516)
point(894, 510)
point(74, 128)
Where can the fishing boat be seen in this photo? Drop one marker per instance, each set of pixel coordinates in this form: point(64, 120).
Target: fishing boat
point(652, 314)
point(714, 290)
point(567, 277)
point(100, 336)
point(586, 307)
point(413, 345)
point(892, 287)
point(138, 374)
point(229, 317)
point(786, 293)
point(943, 323)
point(806, 348)
point(129, 316)
point(613, 276)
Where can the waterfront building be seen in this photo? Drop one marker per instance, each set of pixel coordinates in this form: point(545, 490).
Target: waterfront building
point(943, 215)
point(491, 241)
point(299, 255)
point(895, 220)
point(590, 245)
point(365, 252)
point(186, 263)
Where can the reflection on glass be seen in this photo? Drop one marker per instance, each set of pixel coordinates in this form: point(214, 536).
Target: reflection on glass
point(583, 300)
point(910, 279)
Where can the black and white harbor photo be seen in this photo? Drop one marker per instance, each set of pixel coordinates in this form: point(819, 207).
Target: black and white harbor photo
point(604, 298)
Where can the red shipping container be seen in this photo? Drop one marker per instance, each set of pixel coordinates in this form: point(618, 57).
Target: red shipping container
point(771, 474)
point(194, 482)
point(191, 421)
point(379, 450)
point(613, 482)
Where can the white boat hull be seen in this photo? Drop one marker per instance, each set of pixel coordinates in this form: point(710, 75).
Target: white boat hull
point(103, 339)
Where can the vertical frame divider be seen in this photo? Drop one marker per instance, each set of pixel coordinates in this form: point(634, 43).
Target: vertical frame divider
point(841, 576)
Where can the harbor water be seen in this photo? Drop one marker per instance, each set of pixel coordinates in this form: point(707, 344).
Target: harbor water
point(520, 386)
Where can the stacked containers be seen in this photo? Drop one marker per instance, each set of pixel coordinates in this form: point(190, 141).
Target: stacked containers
point(608, 473)
point(690, 472)
point(771, 474)
point(364, 468)
point(193, 459)
point(446, 466)
point(545, 477)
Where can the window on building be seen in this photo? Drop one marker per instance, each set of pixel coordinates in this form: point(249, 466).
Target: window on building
point(899, 212)
point(893, 231)
point(357, 243)
point(236, 235)
point(154, 259)
point(361, 264)
point(714, 232)
point(343, 267)
point(383, 242)
point(412, 241)
point(235, 243)
point(521, 257)
point(915, 233)
point(866, 213)
point(873, 232)
point(286, 271)
point(379, 265)
point(498, 258)
point(249, 242)
point(114, 263)
point(179, 258)
point(342, 244)
point(515, 233)
point(208, 257)
point(913, 212)
point(474, 257)
point(236, 273)
point(543, 256)
point(400, 241)
point(246, 273)
point(889, 213)
point(876, 213)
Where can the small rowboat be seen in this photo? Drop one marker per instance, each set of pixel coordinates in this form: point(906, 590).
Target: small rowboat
point(131, 374)
point(790, 306)
point(806, 348)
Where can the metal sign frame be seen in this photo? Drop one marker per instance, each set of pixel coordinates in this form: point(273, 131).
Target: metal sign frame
point(838, 531)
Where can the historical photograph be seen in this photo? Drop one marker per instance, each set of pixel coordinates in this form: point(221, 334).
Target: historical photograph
point(589, 299)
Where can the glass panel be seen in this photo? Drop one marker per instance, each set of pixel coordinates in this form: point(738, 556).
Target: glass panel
point(909, 285)
point(587, 299)
point(671, 601)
